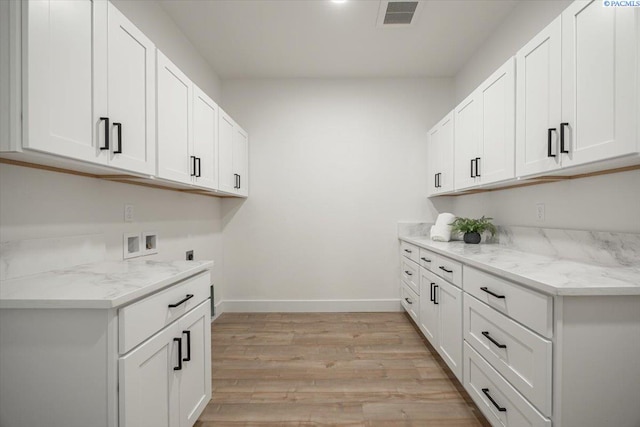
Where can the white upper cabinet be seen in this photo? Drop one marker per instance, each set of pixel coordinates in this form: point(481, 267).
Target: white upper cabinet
point(205, 139)
point(131, 95)
point(468, 129)
point(485, 131)
point(63, 44)
point(599, 82)
point(539, 103)
point(577, 90)
point(440, 156)
point(233, 156)
point(497, 97)
point(89, 85)
point(174, 104)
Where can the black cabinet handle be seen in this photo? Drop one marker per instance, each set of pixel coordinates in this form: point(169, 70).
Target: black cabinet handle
point(408, 301)
point(408, 273)
point(188, 358)
point(199, 167)
point(106, 132)
point(182, 301)
point(485, 289)
point(431, 297)
point(498, 407)
point(490, 338)
point(119, 127)
point(193, 165)
point(435, 294)
point(562, 126)
point(179, 367)
point(477, 166)
point(408, 251)
point(239, 181)
point(237, 185)
point(435, 180)
point(472, 175)
point(425, 260)
point(442, 267)
point(549, 132)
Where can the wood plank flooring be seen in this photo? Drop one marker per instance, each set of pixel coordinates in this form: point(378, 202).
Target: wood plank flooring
point(344, 369)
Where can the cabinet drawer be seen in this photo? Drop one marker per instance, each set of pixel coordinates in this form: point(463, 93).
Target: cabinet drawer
point(448, 269)
point(519, 355)
point(410, 301)
point(531, 308)
point(140, 320)
point(427, 259)
point(496, 398)
point(410, 273)
point(410, 251)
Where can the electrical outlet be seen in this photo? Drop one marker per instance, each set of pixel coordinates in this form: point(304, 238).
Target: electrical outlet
point(190, 255)
point(540, 212)
point(128, 213)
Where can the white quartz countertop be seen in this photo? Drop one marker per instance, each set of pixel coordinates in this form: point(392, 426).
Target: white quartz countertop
point(547, 274)
point(105, 285)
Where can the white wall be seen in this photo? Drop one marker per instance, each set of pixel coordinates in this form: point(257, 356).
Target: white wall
point(37, 204)
point(334, 164)
point(526, 20)
point(608, 203)
point(156, 24)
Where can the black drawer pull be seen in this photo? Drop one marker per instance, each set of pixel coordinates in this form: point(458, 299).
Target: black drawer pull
point(193, 165)
point(549, 132)
point(179, 367)
point(408, 273)
point(408, 300)
point(484, 288)
point(107, 130)
point(562, 126)
point(431, 296)
point(471, 174)
point(199, 167)
point(442, 267)
point(425, 260)
point(408, 251)
point(182, 301)
point(498, 407)
point(435, 294)
point(119, 127)
point(477, 166)
point(497, 344)
point(188, 358)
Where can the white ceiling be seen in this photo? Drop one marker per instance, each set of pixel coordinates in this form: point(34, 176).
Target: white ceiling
point(320, 38)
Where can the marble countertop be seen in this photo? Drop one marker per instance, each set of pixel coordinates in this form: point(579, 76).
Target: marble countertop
point(105, 285)
point(547, 274)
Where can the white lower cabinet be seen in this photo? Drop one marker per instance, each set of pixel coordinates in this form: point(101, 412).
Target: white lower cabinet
point(410, 301)
point(165, 381)
point(441, 318)
point(496, 398)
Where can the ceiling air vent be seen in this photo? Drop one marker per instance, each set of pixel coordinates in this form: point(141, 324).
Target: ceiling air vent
point(397, 12)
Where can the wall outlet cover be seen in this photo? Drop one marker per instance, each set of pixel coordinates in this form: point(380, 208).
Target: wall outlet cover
point(128, 213)
point(540, 214)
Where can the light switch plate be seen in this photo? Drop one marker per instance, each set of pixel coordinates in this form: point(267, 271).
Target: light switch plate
point(128, 213)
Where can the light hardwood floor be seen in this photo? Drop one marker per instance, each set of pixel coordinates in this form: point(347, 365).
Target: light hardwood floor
point(346, 369)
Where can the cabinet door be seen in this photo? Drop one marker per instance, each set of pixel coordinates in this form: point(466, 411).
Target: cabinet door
point(433, 156)
point(538, 100)
point(195, 378)
point(131, 95)
point(241, 159)
point(467, 121)
point(428, 309)
point(445, 151)
point(62, 42)
point(497, 162)
point(148, 395)
point(174, 103)
point(205, 139)
point(599, 87)
point(226, 178)
point(449, 299)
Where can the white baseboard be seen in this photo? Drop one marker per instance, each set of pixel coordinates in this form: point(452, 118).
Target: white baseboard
point(307, 306)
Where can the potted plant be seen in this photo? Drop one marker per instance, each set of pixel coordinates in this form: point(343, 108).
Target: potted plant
point(471, 228)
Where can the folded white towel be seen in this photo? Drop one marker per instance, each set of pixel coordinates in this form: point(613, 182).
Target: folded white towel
point(441, 231)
